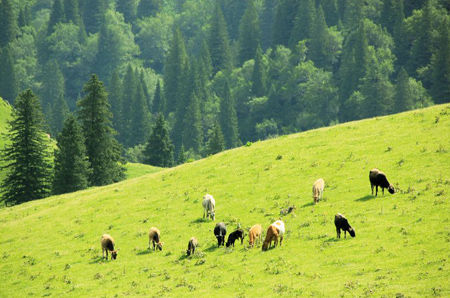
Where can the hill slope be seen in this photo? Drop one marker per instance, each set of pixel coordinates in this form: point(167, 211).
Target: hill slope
point(401, 249)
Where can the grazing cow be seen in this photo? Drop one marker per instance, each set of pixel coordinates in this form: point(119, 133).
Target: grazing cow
point(378, 178)
point(341, 223)
point(275, 231)
point(317, 190)
point(239, 233)
point(154, 236)
point(107, 243)
point(208, 206)
point(287, 210)
point(220, 231)
point(191, 246)
point(254, 234)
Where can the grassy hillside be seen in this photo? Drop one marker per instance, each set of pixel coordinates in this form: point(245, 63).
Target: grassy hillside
point(136, 170)
point(401, 249)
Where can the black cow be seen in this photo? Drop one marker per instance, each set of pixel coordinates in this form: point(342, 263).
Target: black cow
point(378, 178)
point(341, 223)
point(239, 233)
point(220, 231)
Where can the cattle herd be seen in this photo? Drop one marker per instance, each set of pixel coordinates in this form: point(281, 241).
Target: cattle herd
point(274, 233)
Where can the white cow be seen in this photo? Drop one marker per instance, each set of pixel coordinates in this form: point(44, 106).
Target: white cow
point(208, 206)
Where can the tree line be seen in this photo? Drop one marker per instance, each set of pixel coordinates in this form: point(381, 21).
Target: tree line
point(212, 75)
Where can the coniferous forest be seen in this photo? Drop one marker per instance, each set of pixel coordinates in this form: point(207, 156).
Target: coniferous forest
point(164, 82)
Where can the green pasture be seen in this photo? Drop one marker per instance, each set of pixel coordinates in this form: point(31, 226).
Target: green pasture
point(51, 247)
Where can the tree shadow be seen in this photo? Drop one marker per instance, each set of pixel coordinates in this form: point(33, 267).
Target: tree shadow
point(365, 198)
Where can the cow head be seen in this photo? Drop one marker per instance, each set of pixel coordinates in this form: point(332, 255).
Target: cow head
point(213, 215)
point(351, 231)
point(265, 246)
point(113, 254)
point(159, 245)
point(391, 189)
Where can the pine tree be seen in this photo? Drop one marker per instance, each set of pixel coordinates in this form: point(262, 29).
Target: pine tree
point(159, 149)
point(115, 93)
point(24, 17)
point(216, 142)
point(71, 161)
point(130, 85)
point(71, 11)
point(157, 100)
point(8, 22)
point(182, 156)
point(273, 104)
point(192, 130)
point(9, 86)
point(259, 75)
point(319, 41)
point(177, 62)
point(402, 92)
point(228, 117)
point(102, 149)
point(140, 122)
point(128, 9)
point(267, 21)
point(284, 22)
point(149, 8)
point(56, 16)
point(52, 83)
point(60, 111)
point(218, 44)
point(93, 13)
point(440, 88)
point(232, 12)
point(206, 59)
point(304, 22)
point(391, 14)
point(248, 34)
point(331, 10)
point(26, 155)
point(353, 14)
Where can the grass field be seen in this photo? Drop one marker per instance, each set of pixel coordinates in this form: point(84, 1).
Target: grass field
point(52, 247)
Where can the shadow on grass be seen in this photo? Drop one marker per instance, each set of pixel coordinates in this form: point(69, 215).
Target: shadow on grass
point(331, 240)
point(308, 204)
point(200, 220)
point(365, 198)
point(98, 260)
point(211, 248)
point(143, 253)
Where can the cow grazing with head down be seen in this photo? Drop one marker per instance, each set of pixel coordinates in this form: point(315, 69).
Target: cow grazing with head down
point(254, 234)
point(317, 190)
point(208, 206)
point(275, 232)
point(341, 223)
point(238, 234)
point(191, 246)
point(378, 178)
point(220, 231)
point(154, 236)
point(107, 243)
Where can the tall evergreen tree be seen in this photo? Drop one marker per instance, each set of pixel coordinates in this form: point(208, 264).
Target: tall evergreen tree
point(149, 8)
point(331, 10)
point(319, 41)
point(284, 21)
point(259, 87)
point(228, 117)
point(71, 161)
point(403, 97)
point(52, 83)
point(102, 149)
point(128, 9)
point(9, 86)
point(304, 22)
point(60, 111)
point(26, 155)
point(130, 85)
point(248, 34)
point(56, 16)
point(267, 21)
point(115, 93)
point(440, 88)
point(177, 62)
point(216, 142)
point(140, 122)
point(391, 14)
point(72, 11)
point(93, 13)
point(206, 59)
point(353, 14)
point(219, 47)
point(24, 17)
point(192, 130)
point(8, 23)
point(232, 12)
point(182, 156)
point(273, 104)
point(157, 100)
point(159, 149)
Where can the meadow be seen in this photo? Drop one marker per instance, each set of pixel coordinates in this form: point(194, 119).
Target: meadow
point(51, 247)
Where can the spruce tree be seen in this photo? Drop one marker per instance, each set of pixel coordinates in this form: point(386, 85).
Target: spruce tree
point(93, 13)
point(128, 9)
point(159, 149)
point(218, 42)
point(24, 17)
point(115, 93)
point(71, 11)
point(8, 23)
point(304, 22)
point(319, 41)
point(192, 130)
point(140, 122)
point(216, 142)
point(26, 155)
point(130, 85)
point(273, 104)
point(71, 161)
point(60, 111)
point(284, 22)
point(56, 16)
point(182, 156)
point(102, 149)
point(149, 8)
point(248, 34)
point(52, 83)
point(233, 12)
point(206, 59)
point(9, 86)
point(157, 100)
point(440, 87)
point(259, 75)
point(228, 117)
point(403, 95)
point(267, 21)
point(331, 10)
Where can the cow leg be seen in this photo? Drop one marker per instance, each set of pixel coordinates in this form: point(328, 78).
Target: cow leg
point(106, 254)
point(281, 240)
point(345, 234)
point(376, 190)
point(371, 186)
point(382, 189)
point(338, 231)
